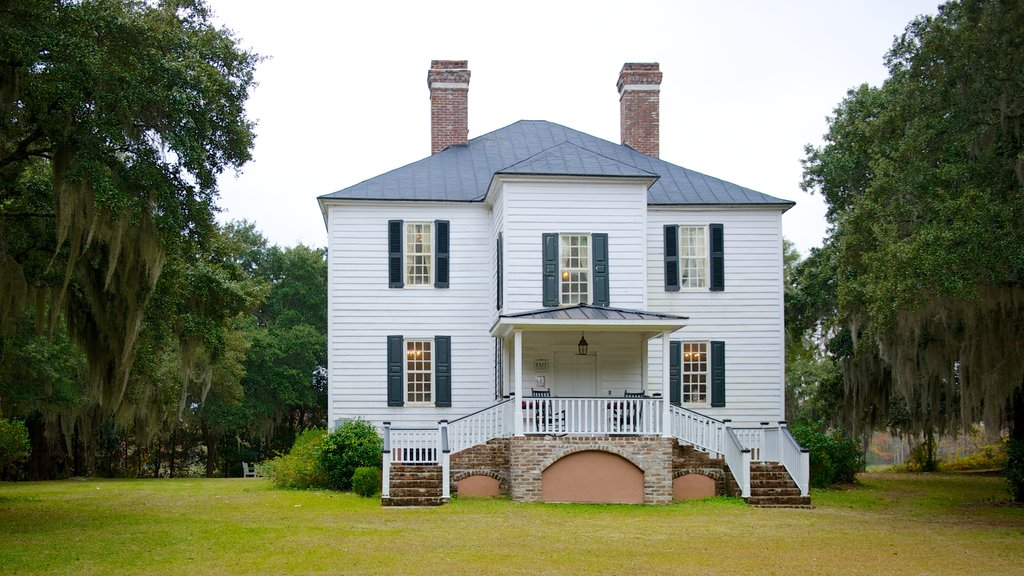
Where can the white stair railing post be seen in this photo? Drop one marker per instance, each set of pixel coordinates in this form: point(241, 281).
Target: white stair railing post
point(445, 460)
point(746, 474)
point(666, 394)
point(385, 487)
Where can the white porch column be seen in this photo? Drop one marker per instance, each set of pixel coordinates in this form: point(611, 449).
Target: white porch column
point(666, 424)
point(517, 402)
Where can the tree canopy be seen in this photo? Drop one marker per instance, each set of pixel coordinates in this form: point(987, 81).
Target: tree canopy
point(116, 117)
point(921, 281)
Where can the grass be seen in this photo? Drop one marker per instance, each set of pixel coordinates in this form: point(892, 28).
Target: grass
point(889, 524)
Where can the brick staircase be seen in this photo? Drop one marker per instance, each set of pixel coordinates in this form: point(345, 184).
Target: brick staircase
point(414, 485)
point(772, 487)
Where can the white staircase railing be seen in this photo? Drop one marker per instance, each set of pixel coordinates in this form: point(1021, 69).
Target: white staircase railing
point(738, 459)
point(696, 429)
point(797, 460)
point(629, 416)
point(477, 428)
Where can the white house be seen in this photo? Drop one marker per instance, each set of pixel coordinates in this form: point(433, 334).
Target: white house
point(502, 307)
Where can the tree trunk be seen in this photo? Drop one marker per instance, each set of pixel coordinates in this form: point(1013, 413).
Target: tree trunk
point(211, 450)
point(174, 442)
point(157, 458)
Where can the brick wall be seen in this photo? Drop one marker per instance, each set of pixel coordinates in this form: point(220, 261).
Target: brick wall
point(688, 460)
point(490, 459)
point(531, 455)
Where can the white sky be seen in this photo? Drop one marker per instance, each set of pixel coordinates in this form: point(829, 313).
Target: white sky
point(343, 96)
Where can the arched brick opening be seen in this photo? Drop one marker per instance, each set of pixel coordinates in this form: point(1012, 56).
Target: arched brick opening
point(478, 485)
point(690, 486)
point(593, 476)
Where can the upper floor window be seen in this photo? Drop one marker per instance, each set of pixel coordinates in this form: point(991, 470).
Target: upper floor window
point(693, 257)
point(575, 265)
point(419, 253)
point(575, 269)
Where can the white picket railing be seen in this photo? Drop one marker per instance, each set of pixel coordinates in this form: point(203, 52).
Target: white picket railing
point(796, 460)
point(696, 429)
point(632, 416)
point(738, 459)
point(414, 446)
point(751, 439)
point(477, 428)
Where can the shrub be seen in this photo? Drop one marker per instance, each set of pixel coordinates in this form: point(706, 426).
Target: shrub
point(990, 457)
point(14, 442)
point(835, 457)
point(300, 467)
point(366, 481)
point(355, 444)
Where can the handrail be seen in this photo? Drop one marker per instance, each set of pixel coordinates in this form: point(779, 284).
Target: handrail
point(696, 429)
point(480, 426)
point(797, 460)
point(738, 459)
point(484, 409)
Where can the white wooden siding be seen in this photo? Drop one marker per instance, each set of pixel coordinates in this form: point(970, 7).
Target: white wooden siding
point(747, 315)
point(531, 209)
point(618, 358)
point(363, 311)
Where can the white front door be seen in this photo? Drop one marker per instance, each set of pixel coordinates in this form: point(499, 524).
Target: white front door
point(575, 375)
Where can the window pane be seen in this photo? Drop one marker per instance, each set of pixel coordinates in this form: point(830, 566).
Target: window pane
point(575, 269)
point(418, 250)
point(693, 256)
point(694, 372)
point(419, 371)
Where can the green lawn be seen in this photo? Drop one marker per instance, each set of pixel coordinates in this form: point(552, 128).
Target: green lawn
point(890, 524)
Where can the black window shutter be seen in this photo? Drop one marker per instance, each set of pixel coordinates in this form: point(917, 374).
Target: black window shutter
point(717, 374)
point(675, 371)
point(443, 371)
point(550, 269)
point(671, 258)
point(499, 258)
point(600, 253)
point(441, 253)
point(395, 379)
point(717, 257)
point(396, 233)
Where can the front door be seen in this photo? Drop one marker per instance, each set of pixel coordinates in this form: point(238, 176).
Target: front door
point(575, 375)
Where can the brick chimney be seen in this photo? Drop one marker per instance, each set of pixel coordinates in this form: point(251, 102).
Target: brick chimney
point(639, 87)
point(449, 94)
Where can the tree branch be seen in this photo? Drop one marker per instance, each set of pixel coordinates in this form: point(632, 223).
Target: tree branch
point(22, 152)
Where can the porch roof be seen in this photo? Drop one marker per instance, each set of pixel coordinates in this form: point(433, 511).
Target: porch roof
point(585, 316)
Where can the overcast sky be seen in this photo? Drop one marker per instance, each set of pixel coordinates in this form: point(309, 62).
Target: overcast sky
point(343, 96)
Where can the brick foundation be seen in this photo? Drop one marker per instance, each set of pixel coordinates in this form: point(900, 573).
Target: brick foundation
point(490, 459)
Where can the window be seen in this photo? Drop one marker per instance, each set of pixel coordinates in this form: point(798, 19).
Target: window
point(694, 372)
point(419, 371)
point(419, 253)
point(693, 257)
point(574, 263)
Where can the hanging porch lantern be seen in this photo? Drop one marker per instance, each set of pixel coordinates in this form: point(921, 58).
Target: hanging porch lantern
point(583, 345)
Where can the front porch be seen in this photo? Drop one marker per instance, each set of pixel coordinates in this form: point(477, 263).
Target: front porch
point(547, 449)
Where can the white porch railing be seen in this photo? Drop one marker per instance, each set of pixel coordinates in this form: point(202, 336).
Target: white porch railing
point(627, 416)
point(632, 416)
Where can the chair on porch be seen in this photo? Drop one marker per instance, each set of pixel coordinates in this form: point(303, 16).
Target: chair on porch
point(630, 412)
point(545, 417)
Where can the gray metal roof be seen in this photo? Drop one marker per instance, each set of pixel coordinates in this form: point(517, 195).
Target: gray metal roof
point(463, 173)
point(587, 312)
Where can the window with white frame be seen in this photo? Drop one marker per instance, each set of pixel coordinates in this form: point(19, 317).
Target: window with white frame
point(575, 269)
point(418, 253)
point(419, 371)
point(694, 372)
point(693, 257)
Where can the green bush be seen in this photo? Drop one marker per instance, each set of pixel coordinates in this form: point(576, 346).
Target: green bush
point(14, 442)
point(300, 467)
point(990, 457)
point(835, 457)
point(366, 481)
point(355, 444)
